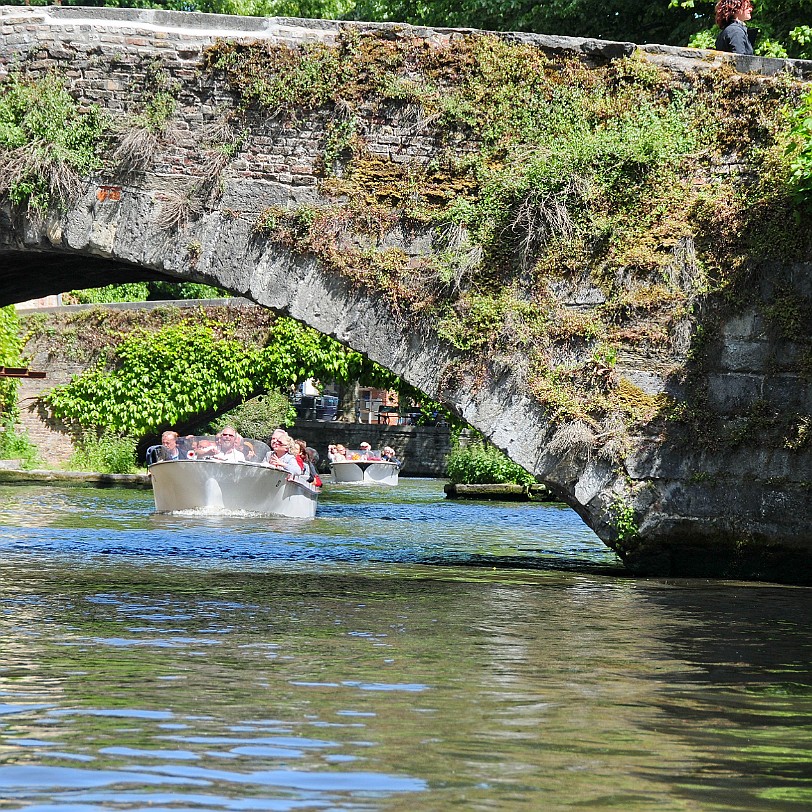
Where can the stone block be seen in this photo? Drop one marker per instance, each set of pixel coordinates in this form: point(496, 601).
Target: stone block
point(733, 392)
point(741, 355)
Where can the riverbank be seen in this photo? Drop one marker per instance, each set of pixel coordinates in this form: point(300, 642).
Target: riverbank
point(499, 493)
point(76, 478)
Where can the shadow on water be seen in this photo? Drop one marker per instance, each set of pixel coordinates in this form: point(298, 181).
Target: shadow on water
point(744, 694)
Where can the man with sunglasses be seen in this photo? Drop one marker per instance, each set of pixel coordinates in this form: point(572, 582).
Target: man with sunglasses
point(227, 446)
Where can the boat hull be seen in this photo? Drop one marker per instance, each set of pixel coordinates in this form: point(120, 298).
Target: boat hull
point(365, 472)
point(207, 486)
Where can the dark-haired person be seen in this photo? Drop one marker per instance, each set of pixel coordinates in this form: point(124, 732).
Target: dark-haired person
point(731, 16)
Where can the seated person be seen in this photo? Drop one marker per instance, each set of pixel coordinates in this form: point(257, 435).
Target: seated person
point(340, 454)
point(366, 451)
point(280, 456)
point(168, 449)
point(313, 462)
point(388, 455)
point(169, 441)
point(227, 450)
point(204, 448)
point(247, 448)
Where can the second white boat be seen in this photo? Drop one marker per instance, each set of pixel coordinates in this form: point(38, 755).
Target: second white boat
point(365, 472)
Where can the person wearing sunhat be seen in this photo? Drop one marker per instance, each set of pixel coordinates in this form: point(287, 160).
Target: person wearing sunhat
point(366, 450)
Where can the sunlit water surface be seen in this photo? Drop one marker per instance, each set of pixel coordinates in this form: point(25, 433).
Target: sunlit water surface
point(400, 652)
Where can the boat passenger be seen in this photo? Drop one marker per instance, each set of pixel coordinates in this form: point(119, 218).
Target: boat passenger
point(168, 449)
point(227, 450)
point(169, 441)
point(304, 458)
point(204, 448)
point(279, 456)
point(388, 455)
point(340, 455)
point(313, 460)
point(248, 450)
point(300, 452)
point(366, 451)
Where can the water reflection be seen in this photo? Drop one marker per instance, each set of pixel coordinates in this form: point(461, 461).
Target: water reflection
point(361, 662)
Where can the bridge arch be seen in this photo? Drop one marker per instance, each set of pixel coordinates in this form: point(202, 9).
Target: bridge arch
point(656, 490)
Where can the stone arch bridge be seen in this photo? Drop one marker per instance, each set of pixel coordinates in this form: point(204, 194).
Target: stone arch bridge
point(702, 463)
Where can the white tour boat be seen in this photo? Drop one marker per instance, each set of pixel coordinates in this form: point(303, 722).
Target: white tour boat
point(371, 470)
point(203, 485)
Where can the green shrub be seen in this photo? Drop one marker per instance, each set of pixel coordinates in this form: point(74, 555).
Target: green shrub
point(480, 464)
point(16, 445)
point(9, 356)
point(108, 454)
point(259, 416)
point(800, 150)
point(47, 145)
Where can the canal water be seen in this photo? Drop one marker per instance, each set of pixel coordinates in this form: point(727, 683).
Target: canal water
point(400, 652)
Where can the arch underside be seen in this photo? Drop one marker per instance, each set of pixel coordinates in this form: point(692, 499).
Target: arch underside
point(28, 275)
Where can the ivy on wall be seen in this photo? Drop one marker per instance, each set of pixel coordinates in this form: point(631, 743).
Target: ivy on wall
point(157, 378)
point(48, 146)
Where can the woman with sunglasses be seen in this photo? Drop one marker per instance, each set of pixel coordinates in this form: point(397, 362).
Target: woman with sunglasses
point(279, 456)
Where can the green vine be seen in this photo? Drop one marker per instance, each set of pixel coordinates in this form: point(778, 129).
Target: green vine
point(188, 369)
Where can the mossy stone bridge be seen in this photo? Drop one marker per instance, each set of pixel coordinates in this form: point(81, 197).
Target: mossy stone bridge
point(637, 338)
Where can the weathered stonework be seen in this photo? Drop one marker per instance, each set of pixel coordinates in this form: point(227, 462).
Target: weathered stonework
point(741, 508)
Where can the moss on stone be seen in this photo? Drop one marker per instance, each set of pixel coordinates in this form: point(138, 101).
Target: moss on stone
point(538, 176)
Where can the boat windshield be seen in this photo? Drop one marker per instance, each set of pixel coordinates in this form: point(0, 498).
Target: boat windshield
point(363, 454)
point(203, 446)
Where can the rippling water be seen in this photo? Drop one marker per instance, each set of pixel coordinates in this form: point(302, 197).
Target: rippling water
point(399, 652)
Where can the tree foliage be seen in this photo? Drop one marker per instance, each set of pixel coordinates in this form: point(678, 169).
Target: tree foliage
point(145, 292)
point(784, 24)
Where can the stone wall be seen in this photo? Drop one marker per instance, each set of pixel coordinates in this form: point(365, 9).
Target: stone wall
point(423, 450)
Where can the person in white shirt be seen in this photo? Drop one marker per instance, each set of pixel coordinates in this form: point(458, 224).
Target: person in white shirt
point(227, 446)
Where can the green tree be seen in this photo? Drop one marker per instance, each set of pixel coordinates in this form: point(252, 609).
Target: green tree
point(187, 370)
point(145, 292)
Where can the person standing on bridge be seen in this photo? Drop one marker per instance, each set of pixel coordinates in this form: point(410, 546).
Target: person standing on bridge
point(731, 16)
